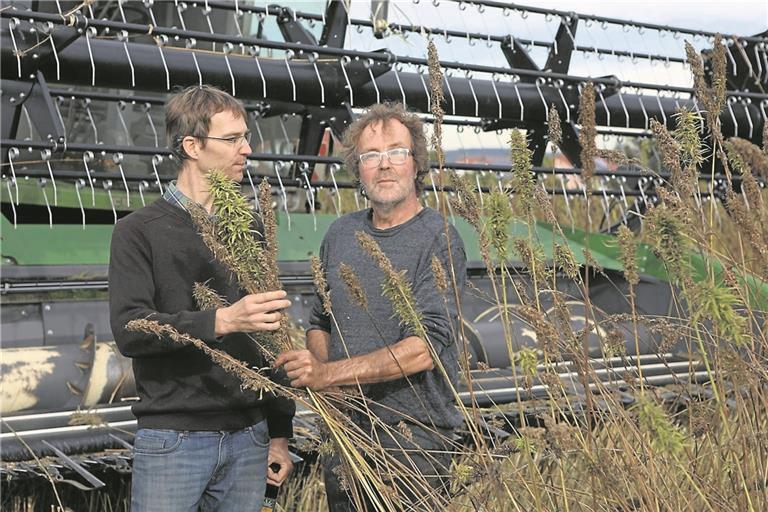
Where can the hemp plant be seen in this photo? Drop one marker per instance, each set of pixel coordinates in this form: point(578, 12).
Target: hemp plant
point(230, 237)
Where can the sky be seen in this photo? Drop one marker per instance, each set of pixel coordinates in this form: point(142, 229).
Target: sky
point(739, 17)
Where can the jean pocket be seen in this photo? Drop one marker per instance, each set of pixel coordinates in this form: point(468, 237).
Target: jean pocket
point(259, 434)
point(157, 442)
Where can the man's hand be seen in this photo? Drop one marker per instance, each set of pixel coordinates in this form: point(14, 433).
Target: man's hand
point(278, 454)
point(304, 369)
point(255, 312)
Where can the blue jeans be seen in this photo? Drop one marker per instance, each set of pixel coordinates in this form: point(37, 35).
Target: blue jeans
point(190, 471)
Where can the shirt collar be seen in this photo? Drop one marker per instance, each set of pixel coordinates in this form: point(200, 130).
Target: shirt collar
point(175, 196)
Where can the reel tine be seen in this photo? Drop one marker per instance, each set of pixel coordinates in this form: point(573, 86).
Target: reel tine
point(87, 105)
point(87, 157)
point(142, 186)
point(288, 57)
point(13, 206)
point(280, 165)
point(368, 65)
point(397, 68)
point(42, 182)
point(12, 154)
point(337, 205)
point(258, 132)
point(343, 61)
point(123, 37)
point(190, 44)
point(79, 184)
point(108, 187)
point(157, 160)
point(118, 159)
point(120, 108)
point(254, 51)
point(206, 10)
point(313, 57)
point(310, 192)
point(161, 40)
point(227, 48)
point(89, 33)
point(147, 108)
point(45, 156)
point(253, 187)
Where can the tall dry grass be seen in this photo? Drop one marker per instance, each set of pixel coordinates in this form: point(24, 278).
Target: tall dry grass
point(588, 443)
point(688, 446)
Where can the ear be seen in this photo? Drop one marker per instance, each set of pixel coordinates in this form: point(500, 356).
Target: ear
point(191, 146)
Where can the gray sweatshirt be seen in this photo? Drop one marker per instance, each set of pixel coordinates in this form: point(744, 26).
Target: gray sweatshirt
point(410, 247)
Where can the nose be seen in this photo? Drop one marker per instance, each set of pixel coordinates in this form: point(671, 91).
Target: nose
point(245, 149)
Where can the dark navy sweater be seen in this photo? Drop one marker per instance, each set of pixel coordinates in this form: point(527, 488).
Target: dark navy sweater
point(156, 258)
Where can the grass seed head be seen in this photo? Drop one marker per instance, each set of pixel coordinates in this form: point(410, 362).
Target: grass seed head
point(719, 304)
point(628, 248)
point(713, 98)
point(765, 139)
point(498, 215)
point(395, 285)
point(666, 232)
point(269, 222)
point(321, 285)
point(745, 156)
point(566, 261)
point(665, 437)
point(436, 101)
point(439, 274)
point(528, 359)
point(245, 272)
point(555, 131)
point(532, 255)
point(544, 202)
point(686, 133)
point(614, 343)
point(670, 156)
point(207, 298)
point(250, 379)
point(354, 288)
point(465, 203)
point(405, 431)
point(588, 132)
point(523, 182)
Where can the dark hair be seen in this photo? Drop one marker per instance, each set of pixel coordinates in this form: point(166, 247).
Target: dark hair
point(189, 111)
point(383, 112)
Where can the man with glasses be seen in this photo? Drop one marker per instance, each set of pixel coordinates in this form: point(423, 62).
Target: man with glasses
point(202, 442)
point(409, 378)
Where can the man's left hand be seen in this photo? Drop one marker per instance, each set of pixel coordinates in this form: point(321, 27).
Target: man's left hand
point(304, 369)
point(278, 454)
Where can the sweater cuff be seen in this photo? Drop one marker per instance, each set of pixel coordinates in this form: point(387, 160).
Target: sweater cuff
point(208, 327)
point(280, 425)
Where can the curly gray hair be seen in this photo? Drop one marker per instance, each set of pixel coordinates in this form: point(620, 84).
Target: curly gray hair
point(383, 112)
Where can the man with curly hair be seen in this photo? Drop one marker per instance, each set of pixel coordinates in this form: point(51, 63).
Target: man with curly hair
point(408, 375)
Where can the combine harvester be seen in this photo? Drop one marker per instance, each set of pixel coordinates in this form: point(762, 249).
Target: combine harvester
point(83, 85)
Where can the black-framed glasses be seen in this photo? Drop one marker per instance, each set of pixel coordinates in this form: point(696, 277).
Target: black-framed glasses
point(396, 156)
point(234, 141)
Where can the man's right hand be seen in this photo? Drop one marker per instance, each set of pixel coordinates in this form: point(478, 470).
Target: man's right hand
point(255, 312)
